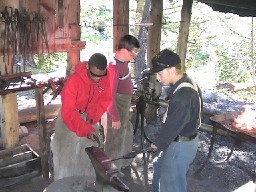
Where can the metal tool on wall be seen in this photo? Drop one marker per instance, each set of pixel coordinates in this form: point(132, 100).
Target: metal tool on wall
point(24, 33)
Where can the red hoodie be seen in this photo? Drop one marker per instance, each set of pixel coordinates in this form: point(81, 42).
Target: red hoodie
point(81, 94)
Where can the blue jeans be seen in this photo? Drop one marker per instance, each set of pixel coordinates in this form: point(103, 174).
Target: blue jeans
point(171, 166)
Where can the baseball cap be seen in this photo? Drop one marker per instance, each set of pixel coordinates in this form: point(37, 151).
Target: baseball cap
point(164, 59)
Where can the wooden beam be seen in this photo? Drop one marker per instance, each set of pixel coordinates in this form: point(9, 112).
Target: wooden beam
point(184, 31)
point(7, 182)
point(154, 35)
point(73, 53)
point(9, 108)
point(9, 119)
point(18, 161)
point(29, 85)
point(30, 114)
point(60, 13)
point(120, 20)
point(16, 75)
point(154, 41)
point(57, 47)
point(75, 34)
point(41, 124)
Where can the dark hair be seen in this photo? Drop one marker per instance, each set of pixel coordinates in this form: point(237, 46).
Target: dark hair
point(128, 42)
point(178, 66)
point(98, 60)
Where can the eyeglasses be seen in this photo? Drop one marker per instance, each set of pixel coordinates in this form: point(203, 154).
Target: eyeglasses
point(96, 75)
point(135, 51)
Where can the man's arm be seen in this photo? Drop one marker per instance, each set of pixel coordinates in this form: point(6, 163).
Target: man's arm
point(70, 115)
point(114, 79)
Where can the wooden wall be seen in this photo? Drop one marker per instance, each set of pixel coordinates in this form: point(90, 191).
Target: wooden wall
point(59, 15)
point(63, 35)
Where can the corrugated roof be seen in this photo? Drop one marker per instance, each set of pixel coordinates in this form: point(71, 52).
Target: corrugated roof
point(243, 8)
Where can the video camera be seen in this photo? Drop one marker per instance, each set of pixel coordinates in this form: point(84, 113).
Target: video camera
point(149, 88)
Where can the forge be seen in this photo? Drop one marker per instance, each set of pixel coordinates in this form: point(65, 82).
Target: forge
point(225, 122)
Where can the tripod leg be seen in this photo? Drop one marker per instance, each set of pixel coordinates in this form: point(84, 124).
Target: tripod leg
point(145, 159)
point(136, 122)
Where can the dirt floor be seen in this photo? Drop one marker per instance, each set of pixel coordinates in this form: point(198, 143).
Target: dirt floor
point(216, 176)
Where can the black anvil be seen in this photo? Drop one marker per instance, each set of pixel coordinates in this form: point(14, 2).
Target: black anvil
point(106, 171)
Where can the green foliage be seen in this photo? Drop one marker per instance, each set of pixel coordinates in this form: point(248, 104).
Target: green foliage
point(231, 70)
point(48, 62)
point(213, 36)
point(96, 22)
point(200, 59)
point(227, 43)
point(170, 25)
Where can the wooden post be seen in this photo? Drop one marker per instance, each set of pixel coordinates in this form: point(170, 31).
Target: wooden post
point(75, 35)
point(9, 109)
point(74, 52)
point(43, 139)
point(154, 33)
point(154, 39)
point(120, 20)
point(9, 121)
point(184, 31)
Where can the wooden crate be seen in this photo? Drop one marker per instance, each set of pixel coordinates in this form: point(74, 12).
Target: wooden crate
point(18, 161)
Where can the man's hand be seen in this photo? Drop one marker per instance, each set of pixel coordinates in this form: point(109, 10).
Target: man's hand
point(116, 125)
point(92, 135)
point(154, 148)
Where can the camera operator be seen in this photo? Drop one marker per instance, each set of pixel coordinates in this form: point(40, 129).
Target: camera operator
point(177, 142)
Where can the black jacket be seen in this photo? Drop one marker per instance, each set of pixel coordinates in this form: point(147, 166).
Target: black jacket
point(182, 116)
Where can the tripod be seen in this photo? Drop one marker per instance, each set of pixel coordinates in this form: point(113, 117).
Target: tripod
point(140, 114)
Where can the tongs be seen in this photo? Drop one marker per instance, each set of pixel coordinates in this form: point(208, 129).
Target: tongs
point(133, 154)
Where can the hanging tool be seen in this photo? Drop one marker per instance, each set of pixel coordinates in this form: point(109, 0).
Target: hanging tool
point(7, 22)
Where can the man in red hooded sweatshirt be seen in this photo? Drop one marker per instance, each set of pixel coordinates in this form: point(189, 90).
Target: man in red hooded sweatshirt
point(85, 97)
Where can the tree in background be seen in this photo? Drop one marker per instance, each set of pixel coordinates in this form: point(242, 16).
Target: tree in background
point(141, 29)
point(214, 36)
